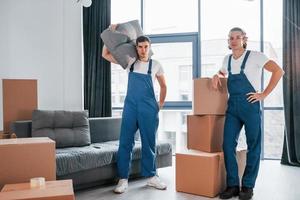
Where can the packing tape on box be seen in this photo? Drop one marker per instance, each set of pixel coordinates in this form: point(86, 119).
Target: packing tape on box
point(37, 182)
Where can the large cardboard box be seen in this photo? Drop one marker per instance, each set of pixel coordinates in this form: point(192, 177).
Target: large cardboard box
point(205, 132)
point(53, 190)
point(206, 100)
point(200, 173)
point(20, 98)
point(25, 158)
point(204, 173)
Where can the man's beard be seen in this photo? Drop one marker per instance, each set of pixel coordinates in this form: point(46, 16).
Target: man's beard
point(143, 56)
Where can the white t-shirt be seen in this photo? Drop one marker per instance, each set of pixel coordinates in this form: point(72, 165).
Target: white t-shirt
point(253, 67)
point(142, 67)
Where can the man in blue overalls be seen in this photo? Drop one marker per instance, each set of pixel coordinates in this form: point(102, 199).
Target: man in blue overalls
point(140, 112)
point(244, 69)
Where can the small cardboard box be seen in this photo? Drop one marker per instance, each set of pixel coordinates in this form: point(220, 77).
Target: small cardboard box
point(206, 100)
point(205, 132)
point(53, 190)
point(200, 173)
point(25, 158)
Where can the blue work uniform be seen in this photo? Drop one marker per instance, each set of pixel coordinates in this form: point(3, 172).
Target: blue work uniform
point(140, 112)
point(241, 112)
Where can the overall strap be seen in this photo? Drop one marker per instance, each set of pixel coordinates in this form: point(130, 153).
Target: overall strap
point(229, 64)
point(244, 61)
point(150, 67)
point(132, 66)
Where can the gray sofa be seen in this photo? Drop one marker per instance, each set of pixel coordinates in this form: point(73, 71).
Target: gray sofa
point(93, 163)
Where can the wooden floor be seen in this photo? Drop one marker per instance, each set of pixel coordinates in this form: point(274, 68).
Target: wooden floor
point(274, 182)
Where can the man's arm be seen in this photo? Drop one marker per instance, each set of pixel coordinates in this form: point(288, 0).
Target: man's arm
point(277, 73)
point(105, 52)
point(163, 90)
point(107, 55)
point(216, 79)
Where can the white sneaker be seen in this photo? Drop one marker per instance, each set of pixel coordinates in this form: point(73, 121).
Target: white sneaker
point(156, 183)
point(122, 186)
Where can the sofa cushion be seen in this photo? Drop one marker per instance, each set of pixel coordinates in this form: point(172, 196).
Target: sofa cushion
point(66, 128)
point(121, 42)
point(75, 159)
point(105, 129)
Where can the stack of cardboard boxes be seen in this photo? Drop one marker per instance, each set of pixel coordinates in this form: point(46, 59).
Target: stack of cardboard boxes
point(200, 170)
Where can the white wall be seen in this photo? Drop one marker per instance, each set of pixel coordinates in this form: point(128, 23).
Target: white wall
point(41, 39)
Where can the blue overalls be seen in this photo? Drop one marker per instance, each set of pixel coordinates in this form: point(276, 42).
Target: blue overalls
point(241, 112)
point(140, 112)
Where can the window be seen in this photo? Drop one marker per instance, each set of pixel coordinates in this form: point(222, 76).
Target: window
point(273, 46)
point(169, 136)
point(185, 74)
point(210, 69)
point(218, 17)
point(170, 16)
point(185, 84)
point(172, 127)
point(185, 54)
point(216, 21)
point(184, 119)
point(184, 97)
point(122, 98)
point(113, 98)
point(119, 14)
point(176, 59)
point(119, 85)
point(273, 104)
point(273, 133)
point(117, 113)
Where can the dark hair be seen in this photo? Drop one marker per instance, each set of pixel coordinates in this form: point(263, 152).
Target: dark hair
point(243, 33)
point(142, 39)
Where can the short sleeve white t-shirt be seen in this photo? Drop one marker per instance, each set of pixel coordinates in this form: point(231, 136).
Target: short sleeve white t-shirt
point(253, 67)
point(142, 67)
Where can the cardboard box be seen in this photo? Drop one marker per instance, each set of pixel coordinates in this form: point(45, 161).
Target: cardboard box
point(20, 98)
point(206, 100)
point(53, 190)
point(4, 135)
point(200, 173)
point(205, 132)
point(25, 158)
point(204, 173)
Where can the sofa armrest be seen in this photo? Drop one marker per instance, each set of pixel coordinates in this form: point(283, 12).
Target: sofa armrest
point(104, 129)
point(21, 128)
